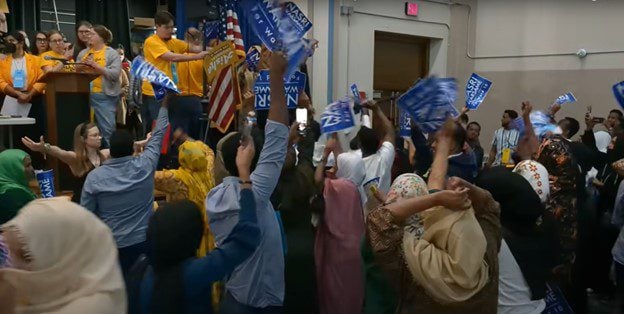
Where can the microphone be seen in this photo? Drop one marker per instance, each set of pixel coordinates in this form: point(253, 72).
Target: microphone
point(55, 59)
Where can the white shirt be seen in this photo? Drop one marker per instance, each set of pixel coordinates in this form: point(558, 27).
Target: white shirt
point(504, 139)
point(379, 165)
point(514, 294)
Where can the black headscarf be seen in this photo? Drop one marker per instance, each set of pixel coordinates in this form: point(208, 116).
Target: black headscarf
point(528, 229)
point(174, 234)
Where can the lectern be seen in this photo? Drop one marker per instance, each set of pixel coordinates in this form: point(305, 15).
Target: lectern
point(67, 105)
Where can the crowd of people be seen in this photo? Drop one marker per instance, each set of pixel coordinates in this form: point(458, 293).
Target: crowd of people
point(279, 218)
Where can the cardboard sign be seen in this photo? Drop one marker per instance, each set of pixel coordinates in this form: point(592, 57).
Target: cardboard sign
point(337, 117)
point(253, 58)
point(263, 18)
point(300, 21)
point(430, 102)
point(262, 90)
point(221, 56)
point(476, 90)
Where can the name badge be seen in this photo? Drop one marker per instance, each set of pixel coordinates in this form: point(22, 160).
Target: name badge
point(506, 156)
point(18, 79)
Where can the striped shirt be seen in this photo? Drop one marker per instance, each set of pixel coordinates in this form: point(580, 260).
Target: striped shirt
point(504, 138)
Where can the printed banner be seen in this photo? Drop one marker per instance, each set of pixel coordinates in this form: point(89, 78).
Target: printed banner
point(476, 90)
point(618, 91)
point(430, 102)
point(221, 56)
point(262, 90)
point(567, 97)
point(145, 71)
point(555, 301)
point(405, 123)
point(337, 117)
point(253, 58)
point(280, 29)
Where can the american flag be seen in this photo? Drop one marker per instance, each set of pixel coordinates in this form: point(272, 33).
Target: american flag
point(224, 96)
point(231, 27)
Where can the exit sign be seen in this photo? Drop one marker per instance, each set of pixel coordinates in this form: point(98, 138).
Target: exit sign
point(411, 9)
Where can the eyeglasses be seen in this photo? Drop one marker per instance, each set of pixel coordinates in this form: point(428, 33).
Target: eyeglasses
point(57, 41)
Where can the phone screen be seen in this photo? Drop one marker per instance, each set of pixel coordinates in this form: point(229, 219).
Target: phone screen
point(302, 117)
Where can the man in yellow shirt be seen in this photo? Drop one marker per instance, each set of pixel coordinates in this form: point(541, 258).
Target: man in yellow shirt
point(163, 51)
point(187, 108)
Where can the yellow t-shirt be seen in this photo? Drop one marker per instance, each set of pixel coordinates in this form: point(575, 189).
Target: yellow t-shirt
point(190, 76)
point(153, 48)
point(100, 58)
point(50, 53)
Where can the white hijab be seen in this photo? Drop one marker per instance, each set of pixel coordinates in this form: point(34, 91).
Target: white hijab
point(74, 266)
point(537, 175)
point(351, 167)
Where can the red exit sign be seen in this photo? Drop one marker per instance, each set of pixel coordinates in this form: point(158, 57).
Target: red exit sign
point(411, 9)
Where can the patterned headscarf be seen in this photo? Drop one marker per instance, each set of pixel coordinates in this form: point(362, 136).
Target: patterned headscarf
point(537, 175)
point(408, 186)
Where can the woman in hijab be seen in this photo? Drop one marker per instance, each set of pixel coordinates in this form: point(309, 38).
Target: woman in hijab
point(192, 181)
point(529, 249)
point(339, 269)
point(15, 172)
point(65, 261)
point(177, 281)
point(439, 253)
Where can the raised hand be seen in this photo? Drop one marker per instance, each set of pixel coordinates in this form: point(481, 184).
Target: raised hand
point(34, 146)
point(456, 199)
point(244, 157)
point(278, 63)
point(527, 108)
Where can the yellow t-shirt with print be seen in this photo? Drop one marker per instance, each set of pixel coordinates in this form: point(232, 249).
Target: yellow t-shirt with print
point(153, 48)
point(52, 54)
point(190, 77)
point(99, 56)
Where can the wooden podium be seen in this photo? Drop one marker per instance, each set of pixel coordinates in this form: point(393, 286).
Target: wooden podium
point(67, 105)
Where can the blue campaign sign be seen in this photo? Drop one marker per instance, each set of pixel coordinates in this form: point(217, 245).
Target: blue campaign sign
point(300, 21)
point(567, 97)
point(262, 90)
point(263, 20)
point(146, 71)
point(555, 301)
point(356, 94)
point(618, 92)
point(405, 123)
point(476, 90)
point(337, 117)
point(430, 102)
point(253, 58)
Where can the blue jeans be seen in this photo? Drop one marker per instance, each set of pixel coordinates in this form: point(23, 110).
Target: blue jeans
point(104, 107)
point(184, 113)
point(149, 112)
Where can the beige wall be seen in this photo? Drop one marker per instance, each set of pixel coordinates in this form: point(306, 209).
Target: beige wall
point(557, 29)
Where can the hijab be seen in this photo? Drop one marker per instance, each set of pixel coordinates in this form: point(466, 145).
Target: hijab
point(174, 234)
point(13, 183)
point(74, 257)
point(443, 248)
point(537, 175)
point(603, 139)
point(527, 227)
point(351, 168)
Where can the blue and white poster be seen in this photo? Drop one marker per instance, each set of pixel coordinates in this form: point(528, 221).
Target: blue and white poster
point(280, 29)
point(567, 97)
point(618, 92)
point(337, 117)
point(146, 71)
point(253, 58)
point(356, 94)
point(262, 90)
point(405, 123)
point(430, 102)
point(476, 90)
point(555, 301)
